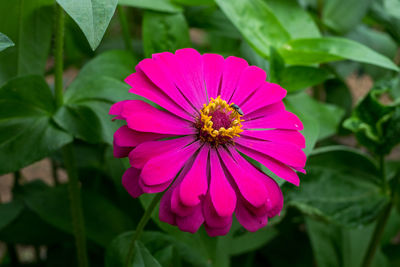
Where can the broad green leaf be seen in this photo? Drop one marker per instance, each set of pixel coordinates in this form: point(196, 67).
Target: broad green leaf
point(339, 188)
point(343, 15)
point(337, 93)
point(29, 24)
point(92, 16)
point(336, 246)
point(249, 241)
point(295, 78)
point(156, 5)
point(9, 212)
point(257, 23)
point(276, 66)
point(172, 32)
point(194, 2)
point(327, 49)
point(52, 205)
point(5, 42)
point(382, 11)
point(297, 22)
point(326, 115)
point(27, 132)
point(90, 96)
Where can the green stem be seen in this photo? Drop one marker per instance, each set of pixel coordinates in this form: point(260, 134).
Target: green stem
point(139, 229)
point(125, 28)
point(58, 56)
point(78, 223)
point(67, 151)
point(380, 226)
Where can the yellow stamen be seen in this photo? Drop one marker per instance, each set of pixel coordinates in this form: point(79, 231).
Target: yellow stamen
point(217, 135)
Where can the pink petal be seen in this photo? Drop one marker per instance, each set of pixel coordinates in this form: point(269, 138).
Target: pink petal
point(265, 111)
point(284, 152)
point(279, 136)
point(171, 65)
point(233, 69)
point(178, 207)
point(143, 117)
point(151, 189)
point(165, 167)
point(279, 120)
point(211, 217)
point(217, 231)
point(165, 213)
point(267, 94)
point(275, 166)
point(195, 184)
point(192, 222)
point(249, 221)
point(169, 98)
point(145, 151)
point(130, 180)
point(121, 152)
point(213, 67)
point(222, 195)
point(116, 109)
point(126, 137)
point(252, 77)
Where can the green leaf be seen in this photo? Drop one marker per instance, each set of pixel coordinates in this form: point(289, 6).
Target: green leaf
point(172, 32)
point(249, 241)
point(383, 12)
point(194, 2)
point(327, 49)
point(52, 205)
point(341, 187)
point(27, 132)
point(9, 212)
point(156, 5)
point(276, 66)
point(5, 42)
point(29, 24)
point(337, 93)
point(326, 115)
point(257, 23)
point(90, 96)
point(295, 78)
point(342, 16)
point(92, 16)
point(297, 22)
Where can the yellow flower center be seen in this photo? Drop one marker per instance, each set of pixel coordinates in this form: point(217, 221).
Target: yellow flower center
point(219, 122)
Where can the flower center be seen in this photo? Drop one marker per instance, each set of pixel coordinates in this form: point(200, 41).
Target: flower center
point(219, 122)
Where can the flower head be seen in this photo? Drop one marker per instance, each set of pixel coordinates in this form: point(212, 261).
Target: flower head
point(215, 110)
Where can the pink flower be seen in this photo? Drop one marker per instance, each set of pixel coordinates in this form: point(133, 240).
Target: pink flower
point(200, 137)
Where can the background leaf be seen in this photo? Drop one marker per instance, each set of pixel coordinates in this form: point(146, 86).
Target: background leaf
point(5, 42)
point(157, 5)
point(92, 16)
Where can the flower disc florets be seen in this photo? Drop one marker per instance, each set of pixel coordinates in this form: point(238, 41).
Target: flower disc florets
point(218, 123)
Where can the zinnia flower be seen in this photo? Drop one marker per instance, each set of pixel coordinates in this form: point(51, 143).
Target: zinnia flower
point(214, 110)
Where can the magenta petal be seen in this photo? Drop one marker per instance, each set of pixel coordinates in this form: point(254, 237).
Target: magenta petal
point(145, 151)
point(165, 167)
point(280, 136)
point(267, 94)
point(275, 166)
point(218, 231)
point(165, 213)
point(252, 77)
point(120, 151)
point(143, 117)
point(249, 221)
point(192, 222)
point(233, 68)
point(126, 137)
point(141, 85)
point(116, 109)
point(265, 111)
point(211, 217)
point(279, 120)
point(213, 67)
point(130, 180)
point(251, 188)
point(222, 195)
point(151, 189)
point(284, 152)
point(178, 207)
point(195, 184)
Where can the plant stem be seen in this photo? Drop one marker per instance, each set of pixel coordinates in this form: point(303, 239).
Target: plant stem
point(58, 56)
point(380, 226)
point(67, 151)
point(125, 28)
point(139, 229)
point(78, 223)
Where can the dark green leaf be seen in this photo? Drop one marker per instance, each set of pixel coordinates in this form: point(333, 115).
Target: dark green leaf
point(27, 133)
point(5, 42)
point(276, 66)
point(172, 32)
point(340, 186)
point(297, 22)
point(251, 241)
point(29, 24)
point(382, 11)
point(9, 211)
point(257, 23)
point(294, 78)
point(343, 15)
point(337, 93)
point(92, 16)
point(321, 50)
point(157, 5)
point(194, 2)
point(326, 115)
